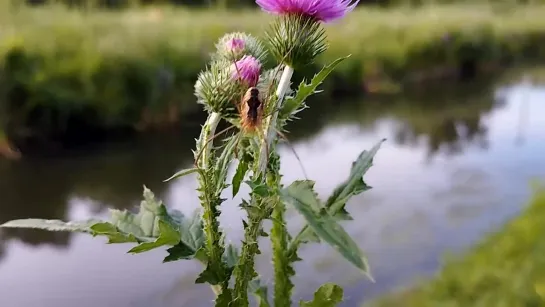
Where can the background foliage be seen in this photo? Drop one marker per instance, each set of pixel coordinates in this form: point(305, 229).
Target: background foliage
point(73, 76)
point(116, 4)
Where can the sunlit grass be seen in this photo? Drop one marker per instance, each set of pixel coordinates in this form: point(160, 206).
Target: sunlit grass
point(366, 32)
point(105, 66)
point(506, 269)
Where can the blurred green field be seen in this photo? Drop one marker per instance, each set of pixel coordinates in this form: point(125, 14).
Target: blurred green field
point(64, 71)
point(506, 270)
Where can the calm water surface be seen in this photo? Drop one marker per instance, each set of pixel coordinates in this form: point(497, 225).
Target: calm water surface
point(456, 165)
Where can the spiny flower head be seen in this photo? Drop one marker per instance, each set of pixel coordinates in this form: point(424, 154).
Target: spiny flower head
point(216, 89)
point(297, 36)
point(322, 10)
point(246, 70)
point(296, 40)
point(233, 46)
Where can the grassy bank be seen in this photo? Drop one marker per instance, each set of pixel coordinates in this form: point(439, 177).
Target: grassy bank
point(506, 269)
point(69, 75)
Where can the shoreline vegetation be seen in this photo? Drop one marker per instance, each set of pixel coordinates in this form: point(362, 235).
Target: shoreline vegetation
point(70, 77)
point(505, 269)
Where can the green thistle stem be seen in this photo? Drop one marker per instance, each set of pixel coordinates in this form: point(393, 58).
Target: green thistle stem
point(244, 270)
point(209, 201)
point(283, 269)
point(270, 122)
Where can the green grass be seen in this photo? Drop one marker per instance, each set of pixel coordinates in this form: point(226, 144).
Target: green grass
point(63, 70)
point(506, 270)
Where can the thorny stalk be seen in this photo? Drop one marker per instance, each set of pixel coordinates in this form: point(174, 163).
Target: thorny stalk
point(210, 201)
point(245, 269)
point(279, 234)
point(283, 269)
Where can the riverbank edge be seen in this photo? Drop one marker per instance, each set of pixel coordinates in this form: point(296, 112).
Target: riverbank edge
point(506, 267)
point(374, 86)
point(56, 108)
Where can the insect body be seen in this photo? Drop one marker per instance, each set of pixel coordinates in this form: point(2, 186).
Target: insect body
point(251, 110)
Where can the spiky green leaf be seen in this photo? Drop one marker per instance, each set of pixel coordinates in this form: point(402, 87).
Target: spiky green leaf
point(224, 299)
point(181, 251)
point(182, 173)
point(260, 292)
point(335, 204)
point(308, 236)
point(123, 227)
point(142, 227)
point(51, 225)
point(328, 295)
point(151, 227)
point(301, 195)
point(222, 164)
point(167, 236)
point(191, 239)
point(293, 105)
point(231, 256)
point(258, 188)
point(192, 234)
point(242, 168)
point(115, 235)
point(210, 275)
point(353, 185)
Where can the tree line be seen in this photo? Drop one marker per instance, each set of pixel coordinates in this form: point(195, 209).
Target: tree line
point(116, 4)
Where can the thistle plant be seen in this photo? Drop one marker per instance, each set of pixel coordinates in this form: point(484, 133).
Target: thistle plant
point(258, 102)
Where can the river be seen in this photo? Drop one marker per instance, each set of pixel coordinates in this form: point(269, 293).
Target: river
point(457, 164)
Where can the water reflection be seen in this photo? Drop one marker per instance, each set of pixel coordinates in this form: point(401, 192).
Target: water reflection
point(439, 183)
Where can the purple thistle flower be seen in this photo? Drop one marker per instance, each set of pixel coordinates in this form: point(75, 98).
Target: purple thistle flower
point(247, 69)
point(235, 45)
point(322, 10)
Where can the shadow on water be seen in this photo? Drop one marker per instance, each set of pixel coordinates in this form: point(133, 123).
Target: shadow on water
point(433, 126)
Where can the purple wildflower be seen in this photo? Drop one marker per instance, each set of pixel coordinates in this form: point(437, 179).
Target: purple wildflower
point(235, 45)
point(322, 10)
point(247, 69)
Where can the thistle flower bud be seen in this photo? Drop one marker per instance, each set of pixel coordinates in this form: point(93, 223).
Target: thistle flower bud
point(216, 89)
point(233, 46)
point(246, 70)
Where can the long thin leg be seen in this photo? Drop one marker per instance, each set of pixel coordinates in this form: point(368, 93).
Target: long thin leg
point(208, 141)
point(283, 136)
point(239, 137)
point(262, 137)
